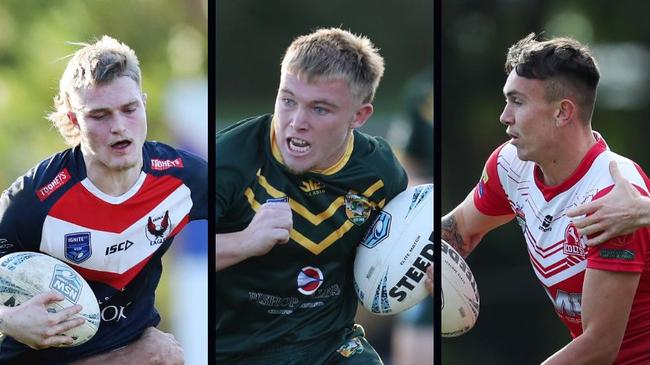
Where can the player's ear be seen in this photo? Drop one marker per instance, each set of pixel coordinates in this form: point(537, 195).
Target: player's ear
point(144, 99)
point(72, 117)
point(565, 112)
point(362, 115)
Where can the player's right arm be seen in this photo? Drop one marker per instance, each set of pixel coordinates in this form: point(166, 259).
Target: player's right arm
point(31, 324)
point(271, 225)
point(464, 227)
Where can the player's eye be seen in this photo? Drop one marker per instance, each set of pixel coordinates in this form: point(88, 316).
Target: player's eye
point(320, 110)
point(288, 102)
point(100, 116)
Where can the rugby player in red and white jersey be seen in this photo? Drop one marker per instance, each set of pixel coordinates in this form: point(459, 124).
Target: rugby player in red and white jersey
point(552, 163)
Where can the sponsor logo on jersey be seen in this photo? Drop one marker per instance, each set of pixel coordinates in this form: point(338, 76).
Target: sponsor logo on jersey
point(158, 228)
point(546, 224)
point(351, 348)
point(66, 282)
point(568, 304)
point(162, 165)
point(619, 254)
point(573, 245)
point(309, 280)
point(379, 230)
point(48, 189)
point(482, 182)
point(357, 208)
point(311, 187)
point(122, 246)
point(115, 313)
point(77, 246)
point(283, 199)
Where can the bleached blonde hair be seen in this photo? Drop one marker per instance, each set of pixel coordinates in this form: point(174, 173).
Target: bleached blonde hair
point(334, 53)
point(92, 65)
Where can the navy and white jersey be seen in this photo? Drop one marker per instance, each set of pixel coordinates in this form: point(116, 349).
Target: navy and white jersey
point(115, 243)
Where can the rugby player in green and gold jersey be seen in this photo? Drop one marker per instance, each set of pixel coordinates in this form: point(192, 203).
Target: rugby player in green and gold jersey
point(296, 191)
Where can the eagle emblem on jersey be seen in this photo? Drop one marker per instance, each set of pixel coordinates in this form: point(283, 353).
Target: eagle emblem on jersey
point(158, 229)
point(573, 245)
point(357, 208)
point(77, 246)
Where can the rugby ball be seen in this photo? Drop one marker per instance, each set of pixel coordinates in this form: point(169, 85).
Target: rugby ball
point(392, 258)
point(26, 274)
point(460, 299)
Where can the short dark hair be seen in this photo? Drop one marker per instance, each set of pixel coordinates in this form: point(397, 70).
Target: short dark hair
point(567, 64)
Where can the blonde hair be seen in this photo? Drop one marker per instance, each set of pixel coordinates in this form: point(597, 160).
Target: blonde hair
point(336, 54)
point(94, 64)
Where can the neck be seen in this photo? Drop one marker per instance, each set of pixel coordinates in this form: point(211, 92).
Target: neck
point(110, 181)
point(566, 156)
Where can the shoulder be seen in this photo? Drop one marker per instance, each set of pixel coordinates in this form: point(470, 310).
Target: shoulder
point(244, 130)
point(376, 153)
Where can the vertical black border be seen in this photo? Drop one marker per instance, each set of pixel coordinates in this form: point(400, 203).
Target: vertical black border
point(437, 127)
point(212, 118)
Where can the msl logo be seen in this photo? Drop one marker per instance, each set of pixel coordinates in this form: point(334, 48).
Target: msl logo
point(158, 229)
point(66, 282)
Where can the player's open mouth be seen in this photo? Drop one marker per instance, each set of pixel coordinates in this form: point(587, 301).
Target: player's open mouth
point(120, 145)
point(298, 146)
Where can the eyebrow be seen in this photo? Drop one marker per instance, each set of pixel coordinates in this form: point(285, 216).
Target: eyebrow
point(513, 93)
point(321, 102)
point(106, 109)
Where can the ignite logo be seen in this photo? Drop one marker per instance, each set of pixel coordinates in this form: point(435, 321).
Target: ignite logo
point(309, 280)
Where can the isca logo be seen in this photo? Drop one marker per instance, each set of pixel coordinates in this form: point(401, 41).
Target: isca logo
point(309, 280)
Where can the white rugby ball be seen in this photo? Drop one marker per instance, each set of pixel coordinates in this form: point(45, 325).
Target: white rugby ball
point(460, 299)
point(26, 274)
point(392, 258)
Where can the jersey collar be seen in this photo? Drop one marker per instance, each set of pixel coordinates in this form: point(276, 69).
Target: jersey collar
point(552, 191)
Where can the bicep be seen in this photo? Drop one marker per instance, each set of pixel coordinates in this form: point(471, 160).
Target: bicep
point(464, 227)
point(607, 298)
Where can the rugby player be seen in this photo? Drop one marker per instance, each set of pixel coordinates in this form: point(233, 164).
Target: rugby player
point(296, 191)
point(554, 161)
point(109, 206)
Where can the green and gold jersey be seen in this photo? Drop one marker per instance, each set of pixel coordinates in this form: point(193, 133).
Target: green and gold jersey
point(302, 290)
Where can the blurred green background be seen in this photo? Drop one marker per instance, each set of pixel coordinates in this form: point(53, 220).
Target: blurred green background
point(253, 35)
point(170, 39)
point(517, 323)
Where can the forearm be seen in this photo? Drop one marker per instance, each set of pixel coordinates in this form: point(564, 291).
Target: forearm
point(585, 349)
point(229, 250)
point(451, 233)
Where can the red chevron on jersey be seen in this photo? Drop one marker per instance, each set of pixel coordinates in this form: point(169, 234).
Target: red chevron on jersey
point(133, 205)
point(115, 239)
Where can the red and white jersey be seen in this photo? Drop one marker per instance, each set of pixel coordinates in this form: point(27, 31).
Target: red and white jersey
point(557, 253)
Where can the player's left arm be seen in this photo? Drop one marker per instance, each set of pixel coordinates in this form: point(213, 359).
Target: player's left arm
point(606, 304)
